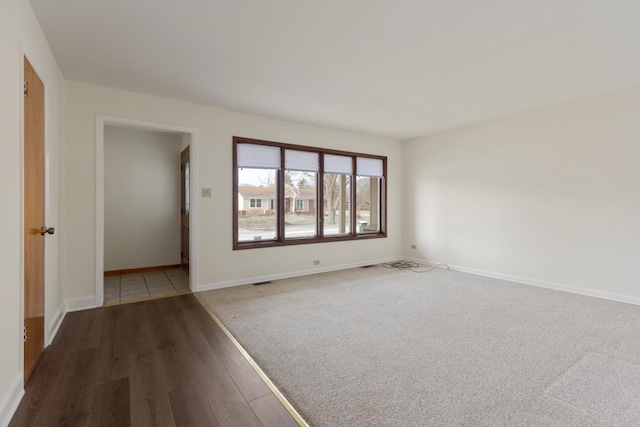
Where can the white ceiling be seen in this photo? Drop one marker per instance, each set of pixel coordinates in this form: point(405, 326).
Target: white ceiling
point(403, 68)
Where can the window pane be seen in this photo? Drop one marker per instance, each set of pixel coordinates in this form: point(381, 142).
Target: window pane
point(257, 215)
point(368, 204)
point(337, 190)
point(300, 204)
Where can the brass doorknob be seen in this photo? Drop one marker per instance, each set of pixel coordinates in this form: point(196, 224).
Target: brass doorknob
point(45, 230)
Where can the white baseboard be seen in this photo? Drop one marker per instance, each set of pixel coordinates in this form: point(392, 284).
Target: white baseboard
point(55, 323)
point(289, 274)
point(81, 303)
point(539, 283)
point(11, 399)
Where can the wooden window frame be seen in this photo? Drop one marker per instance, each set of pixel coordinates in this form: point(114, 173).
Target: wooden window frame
point(280, 199)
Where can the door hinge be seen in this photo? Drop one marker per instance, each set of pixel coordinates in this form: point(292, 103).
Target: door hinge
point(24, 333)
point(26, 88)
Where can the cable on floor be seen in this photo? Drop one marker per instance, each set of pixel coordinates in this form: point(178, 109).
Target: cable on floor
point(412, 266)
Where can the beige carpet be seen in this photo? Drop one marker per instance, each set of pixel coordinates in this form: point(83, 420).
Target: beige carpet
point(380, 347)
point(602, 386)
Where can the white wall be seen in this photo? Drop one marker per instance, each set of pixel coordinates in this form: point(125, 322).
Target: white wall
point(217, 262)
point(20, 34)
point(551, 196)
point(141, 198)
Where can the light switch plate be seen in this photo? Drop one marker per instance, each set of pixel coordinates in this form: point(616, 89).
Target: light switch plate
point(206, 192)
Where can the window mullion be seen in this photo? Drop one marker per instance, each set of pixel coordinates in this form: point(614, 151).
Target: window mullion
point(320, 198)
point(383, 199)
point(281, 195)
point(352, 196)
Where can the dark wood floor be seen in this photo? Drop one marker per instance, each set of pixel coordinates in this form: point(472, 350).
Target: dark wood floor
point(155, 363)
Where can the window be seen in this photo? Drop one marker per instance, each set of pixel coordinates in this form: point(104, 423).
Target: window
point(337, 194)
point(370, 173)
point(313, 195)
point(300, 177)
point(257, 178)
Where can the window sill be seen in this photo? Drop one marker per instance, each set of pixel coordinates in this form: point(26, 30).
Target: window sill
point(306, 241)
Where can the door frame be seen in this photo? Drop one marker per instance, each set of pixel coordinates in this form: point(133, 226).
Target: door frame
point(101, 122)
point(183, 196)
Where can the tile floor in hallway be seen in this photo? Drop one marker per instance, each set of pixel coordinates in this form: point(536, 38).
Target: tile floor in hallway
point(137, 286)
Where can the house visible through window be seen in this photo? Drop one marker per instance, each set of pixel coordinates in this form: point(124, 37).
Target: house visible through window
point(313, 195)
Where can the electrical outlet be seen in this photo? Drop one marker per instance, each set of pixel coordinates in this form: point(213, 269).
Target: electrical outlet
point(414, 247)
point(206, 192)
point(316, 262)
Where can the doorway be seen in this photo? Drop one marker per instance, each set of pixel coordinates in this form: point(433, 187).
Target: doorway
point(132, 276)
point(34, 226)
point(142, 191)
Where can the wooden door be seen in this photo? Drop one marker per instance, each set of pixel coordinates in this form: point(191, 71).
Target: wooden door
point(33, 218)
point(185, 206)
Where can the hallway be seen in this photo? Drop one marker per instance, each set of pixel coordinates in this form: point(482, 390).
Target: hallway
point(149, 284)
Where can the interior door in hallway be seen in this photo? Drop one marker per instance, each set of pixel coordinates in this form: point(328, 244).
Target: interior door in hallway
point(34, 227)
point(185, 207)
